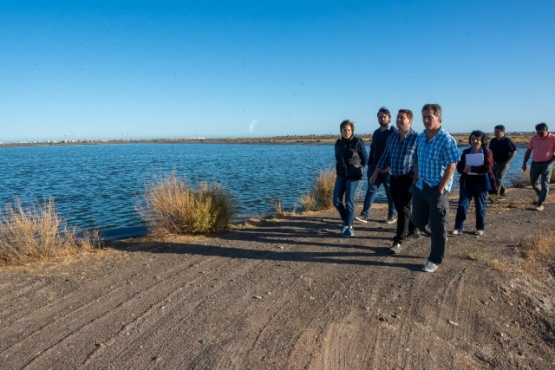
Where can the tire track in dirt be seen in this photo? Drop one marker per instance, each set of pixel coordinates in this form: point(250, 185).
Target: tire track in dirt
point(98, 310)
point(164, 322)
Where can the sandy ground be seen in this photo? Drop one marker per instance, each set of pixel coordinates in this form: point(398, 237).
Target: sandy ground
point(290, 293)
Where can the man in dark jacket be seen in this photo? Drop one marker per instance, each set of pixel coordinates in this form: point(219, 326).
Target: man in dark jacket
point(377, 147)
point(503, 150)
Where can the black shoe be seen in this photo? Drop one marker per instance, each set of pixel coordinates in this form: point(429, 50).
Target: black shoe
point(413, 234)
point(427, 230)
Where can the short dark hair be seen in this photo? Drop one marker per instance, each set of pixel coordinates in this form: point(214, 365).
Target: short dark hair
point(436, 108)
point(347, 123)
point(385, 111)
point(407, 112)
point(500, 128)
point(480, 135)
point(541, 126)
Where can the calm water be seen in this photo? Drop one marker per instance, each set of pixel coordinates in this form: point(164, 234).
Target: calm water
point(99, 186)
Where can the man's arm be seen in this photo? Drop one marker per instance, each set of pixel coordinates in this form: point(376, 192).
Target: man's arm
point(449, 170)
point(526, 157)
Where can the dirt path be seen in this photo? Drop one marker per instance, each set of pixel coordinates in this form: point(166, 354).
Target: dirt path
point(290, 294)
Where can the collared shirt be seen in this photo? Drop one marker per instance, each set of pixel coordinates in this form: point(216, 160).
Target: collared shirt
point(400, 155)
point(543, 149)
point(433, 157)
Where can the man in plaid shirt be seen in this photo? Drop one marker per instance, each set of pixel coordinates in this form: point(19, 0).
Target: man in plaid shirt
point(400, 156)
point(437, 155)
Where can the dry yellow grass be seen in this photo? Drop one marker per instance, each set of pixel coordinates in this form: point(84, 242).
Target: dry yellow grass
point(542, 247)
point(322, 190)
point(172, 207)
point(308, 202)
point(37, 233)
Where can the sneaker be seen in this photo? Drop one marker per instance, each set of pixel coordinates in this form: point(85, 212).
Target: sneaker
point(456, 232)
point(479, 232)
point(362, 219)
point(493, 199)
point(391, 220)
point(348, 233)
point(343, 228)
point(430, 267)
point(539, 208)
point(413, 235)
point(396, 248)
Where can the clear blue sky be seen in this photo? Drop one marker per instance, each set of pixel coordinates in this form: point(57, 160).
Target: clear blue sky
point(173, 69)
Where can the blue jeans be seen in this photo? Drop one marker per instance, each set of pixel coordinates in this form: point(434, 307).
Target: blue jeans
point(540, 171)
point(479, 192)
point(382, 179)
point(429, 207)
point(348, 188)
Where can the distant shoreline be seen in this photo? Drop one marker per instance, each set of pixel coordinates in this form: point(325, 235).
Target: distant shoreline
point(518, 138)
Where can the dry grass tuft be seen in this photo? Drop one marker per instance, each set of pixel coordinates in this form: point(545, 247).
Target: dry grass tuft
point(37, 233)
point(308, 202)
point(540, 248)
point(520, 179)
point(322, 190)
point(172, 207)
point(277, 205)
point(497, 265)
point(475, 255)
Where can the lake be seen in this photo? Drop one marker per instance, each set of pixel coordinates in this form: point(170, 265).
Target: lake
point(100, 186)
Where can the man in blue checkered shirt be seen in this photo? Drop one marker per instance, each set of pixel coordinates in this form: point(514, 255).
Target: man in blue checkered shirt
point(400, 156)
point(437, 155)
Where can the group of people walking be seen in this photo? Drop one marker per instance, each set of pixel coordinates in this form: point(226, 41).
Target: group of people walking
point(416, 171)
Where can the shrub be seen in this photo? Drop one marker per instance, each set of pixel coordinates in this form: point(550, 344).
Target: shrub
point(322, 190)
point(277, 205)
point(172, 207)
point(37, 233)
point(520, 179)
point(541, 247)
point(308, 202)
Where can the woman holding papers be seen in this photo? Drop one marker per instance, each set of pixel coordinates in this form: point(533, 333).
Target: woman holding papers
point(474, 165)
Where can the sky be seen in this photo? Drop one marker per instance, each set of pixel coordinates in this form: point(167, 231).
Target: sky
point(79, 70)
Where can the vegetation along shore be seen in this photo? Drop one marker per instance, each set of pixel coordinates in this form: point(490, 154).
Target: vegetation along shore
point(462, 138)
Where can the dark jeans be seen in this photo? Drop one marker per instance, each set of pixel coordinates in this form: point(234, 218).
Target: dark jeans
point(431, 207)
point(499, 170)
point(382, 179)
point(401, 191)
point(540, 171)
point(348, 188)
point(479, 193)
